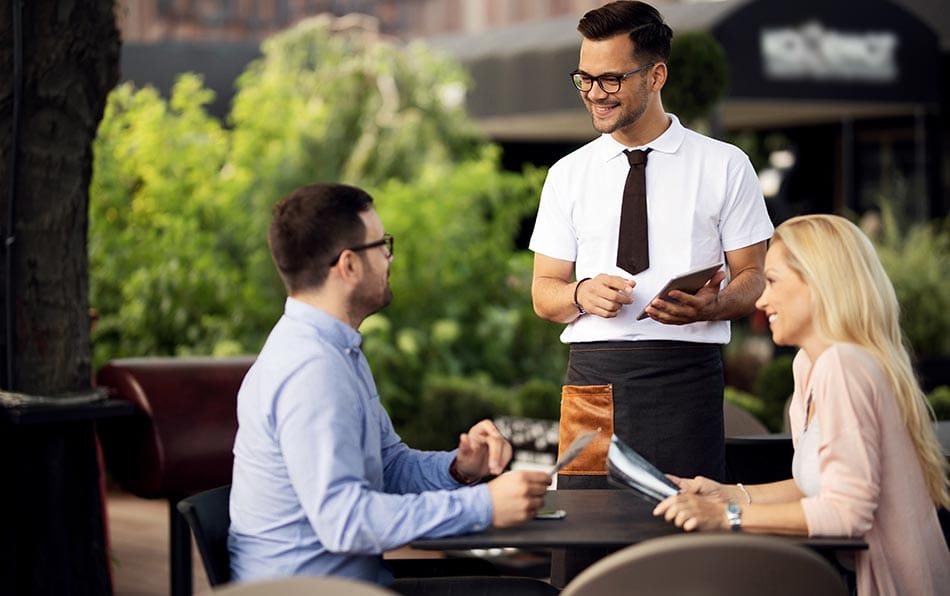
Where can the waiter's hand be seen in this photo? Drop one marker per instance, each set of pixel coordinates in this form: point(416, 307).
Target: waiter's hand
point(482, 451)
point(701, 306)
point(517, 496)
point(605, 295)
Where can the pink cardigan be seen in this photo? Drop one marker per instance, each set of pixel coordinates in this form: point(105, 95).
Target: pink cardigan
point(871, 482)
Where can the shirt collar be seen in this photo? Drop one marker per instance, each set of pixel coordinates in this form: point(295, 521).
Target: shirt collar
point(329, 327)
point(668, 142)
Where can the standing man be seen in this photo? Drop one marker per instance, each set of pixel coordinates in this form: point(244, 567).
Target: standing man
point(322, 483)
point(657, 382)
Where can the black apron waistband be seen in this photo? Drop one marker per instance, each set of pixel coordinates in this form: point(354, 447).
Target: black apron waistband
point(646, 344)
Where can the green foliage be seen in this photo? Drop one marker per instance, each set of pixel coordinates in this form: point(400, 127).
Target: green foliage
point(917, 259)
point(539, 399)
point(322, 105)
point(699, 75)
point(462, 292)
point(180, 204)
point(774, 385)
point(346, 107)
point(167, 248)
point(769, 393)
point(748, 402)
point(776, 381)
point(450, 405)
point(939, 400)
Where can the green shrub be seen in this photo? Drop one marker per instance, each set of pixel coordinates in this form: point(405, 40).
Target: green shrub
point(699, 75)
point(917, 259)
point(748, 402)
point(774, 385)
point(450, 406)
point(538, 398)
point(169, 247)
point(939, 400)
point(179, 206)
point(462, 300)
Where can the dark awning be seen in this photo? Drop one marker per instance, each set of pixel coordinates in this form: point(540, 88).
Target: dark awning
point(522, 91)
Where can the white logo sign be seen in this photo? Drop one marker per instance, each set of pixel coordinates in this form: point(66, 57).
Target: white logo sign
point(813, 52)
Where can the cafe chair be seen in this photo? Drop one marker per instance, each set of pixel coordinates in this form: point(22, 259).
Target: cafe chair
point(753, 455)
point(305, 586)
point(740, 423)
point(209, 518)
point(719, 564)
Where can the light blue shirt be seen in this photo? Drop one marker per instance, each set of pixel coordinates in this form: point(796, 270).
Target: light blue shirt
point(322, 483)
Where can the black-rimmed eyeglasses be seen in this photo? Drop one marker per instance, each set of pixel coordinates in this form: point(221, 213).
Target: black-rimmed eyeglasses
point(386, 241)
point(609, 83)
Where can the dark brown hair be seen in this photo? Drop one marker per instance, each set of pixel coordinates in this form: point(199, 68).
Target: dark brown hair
point(309, 228)
point(651, 37)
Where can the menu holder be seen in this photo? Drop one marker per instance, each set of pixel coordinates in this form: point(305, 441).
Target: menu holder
point(628, 469)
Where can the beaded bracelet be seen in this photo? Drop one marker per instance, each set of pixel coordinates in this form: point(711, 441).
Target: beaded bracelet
point(457, 476)
point(580, 309)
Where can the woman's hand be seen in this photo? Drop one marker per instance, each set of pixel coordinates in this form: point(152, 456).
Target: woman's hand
point(690, 511)
point(704, 487)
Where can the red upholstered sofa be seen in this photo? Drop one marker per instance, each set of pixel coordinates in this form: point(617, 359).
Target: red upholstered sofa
point(179, 441)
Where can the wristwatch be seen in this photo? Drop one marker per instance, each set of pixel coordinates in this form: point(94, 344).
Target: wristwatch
point(734, 513)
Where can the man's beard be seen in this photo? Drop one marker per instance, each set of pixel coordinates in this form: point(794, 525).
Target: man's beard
point(626, 117)
point(373, 302)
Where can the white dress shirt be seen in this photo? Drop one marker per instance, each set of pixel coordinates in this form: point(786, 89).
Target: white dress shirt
point(703, 199)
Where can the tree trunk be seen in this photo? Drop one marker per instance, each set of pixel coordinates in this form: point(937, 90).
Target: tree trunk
point(53, 539)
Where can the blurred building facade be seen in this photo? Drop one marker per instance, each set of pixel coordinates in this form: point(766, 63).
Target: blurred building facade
point(856, 94)
point(206, 20)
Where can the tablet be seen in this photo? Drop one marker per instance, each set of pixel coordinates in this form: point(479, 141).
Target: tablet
point(690, 282)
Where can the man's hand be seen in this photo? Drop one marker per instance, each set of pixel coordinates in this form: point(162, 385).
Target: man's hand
point(605, 295)
point(736, 300)
point(701, 306)
point(517, 496)
point(482, 451)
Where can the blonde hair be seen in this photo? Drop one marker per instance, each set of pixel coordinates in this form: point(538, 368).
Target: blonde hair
point(853, 301)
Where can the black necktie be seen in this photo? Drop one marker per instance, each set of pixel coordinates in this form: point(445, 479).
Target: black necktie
point(633, 253)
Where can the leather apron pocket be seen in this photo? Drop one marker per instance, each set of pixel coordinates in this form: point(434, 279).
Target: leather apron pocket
point(585, 408)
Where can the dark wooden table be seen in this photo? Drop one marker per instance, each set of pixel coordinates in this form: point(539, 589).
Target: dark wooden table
point(598, 520)
point(595, 519)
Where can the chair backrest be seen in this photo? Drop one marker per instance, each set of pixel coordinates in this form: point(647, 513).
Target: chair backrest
point(739, 422)
point(209, 518)
point(721, 564)
point(305, 586)
point(180, 441)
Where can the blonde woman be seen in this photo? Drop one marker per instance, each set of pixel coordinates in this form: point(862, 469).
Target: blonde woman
point(867, 462)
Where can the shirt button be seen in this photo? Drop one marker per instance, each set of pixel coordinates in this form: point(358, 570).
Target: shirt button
point(478, 527)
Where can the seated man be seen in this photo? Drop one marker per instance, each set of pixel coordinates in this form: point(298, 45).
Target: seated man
point(322, 483)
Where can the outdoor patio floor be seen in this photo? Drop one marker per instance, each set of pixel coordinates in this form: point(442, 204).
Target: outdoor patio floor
point(138, 531)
